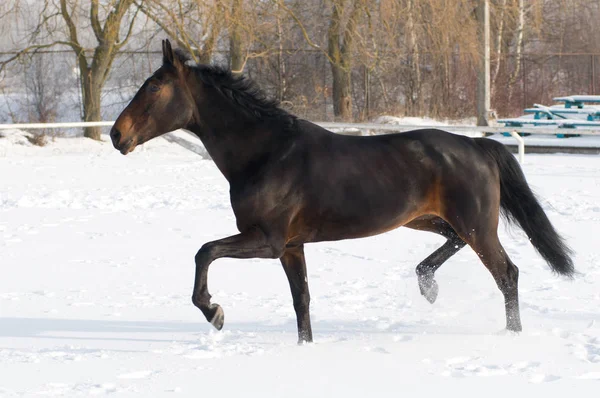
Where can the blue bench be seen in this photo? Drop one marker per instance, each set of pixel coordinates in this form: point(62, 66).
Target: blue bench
point(578, 100)
point(562, 117)
point(558, 123)
point(552, 113)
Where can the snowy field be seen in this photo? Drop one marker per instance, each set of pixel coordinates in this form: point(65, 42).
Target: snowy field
point(97, 259)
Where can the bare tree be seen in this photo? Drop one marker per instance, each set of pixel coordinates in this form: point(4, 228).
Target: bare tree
point(252, 30)
point(518, 49)
point(195, 25)
point(499, 36)
point(357, 58)
point(340, 51)
point(413, 95)
point(202, 27)
point(281, 64)
point(237, 60)
point(43, 92)
point(340, 45)
point(65, 23)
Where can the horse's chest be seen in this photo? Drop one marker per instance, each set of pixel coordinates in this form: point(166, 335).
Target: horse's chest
point(259, 203)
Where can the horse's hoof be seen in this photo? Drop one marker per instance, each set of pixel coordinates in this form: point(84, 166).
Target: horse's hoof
point(218, 317)
point(304, 342)
point(429, 289)
point(514, 327)
point(305, 338)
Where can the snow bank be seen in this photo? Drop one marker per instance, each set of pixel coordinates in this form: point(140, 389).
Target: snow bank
point(97, 255)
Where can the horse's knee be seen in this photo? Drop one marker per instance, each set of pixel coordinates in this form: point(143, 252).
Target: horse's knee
point(513, 272)
point(204, 255)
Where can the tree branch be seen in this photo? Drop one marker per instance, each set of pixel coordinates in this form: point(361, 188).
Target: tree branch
point(95, 21)
point(29, 50)
point(350, 31)
point(74, 42)
point(302, 29)
point(163, 26)
point(129, 30)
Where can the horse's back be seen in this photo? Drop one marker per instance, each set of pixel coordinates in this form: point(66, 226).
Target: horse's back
point(368, 185)
point(417, 153)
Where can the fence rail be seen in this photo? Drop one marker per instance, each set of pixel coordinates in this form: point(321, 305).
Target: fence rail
point(514, 131)
point(65, 125)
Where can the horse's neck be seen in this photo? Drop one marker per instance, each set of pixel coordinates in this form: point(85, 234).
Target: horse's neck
point(233, 141)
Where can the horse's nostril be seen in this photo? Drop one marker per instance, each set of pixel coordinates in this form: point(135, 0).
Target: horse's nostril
point(115, 135)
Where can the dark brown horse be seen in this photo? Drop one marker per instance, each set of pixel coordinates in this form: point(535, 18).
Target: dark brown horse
point(293, 182)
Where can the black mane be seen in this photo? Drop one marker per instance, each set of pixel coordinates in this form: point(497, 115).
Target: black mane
point(238, 89)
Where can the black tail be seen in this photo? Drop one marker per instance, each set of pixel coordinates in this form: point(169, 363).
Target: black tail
point(519, 205)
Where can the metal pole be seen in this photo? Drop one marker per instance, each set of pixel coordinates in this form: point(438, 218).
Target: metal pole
point(524, 84)
point(593, 74)
point(324, 69)
point(483, 77)
point(367, 92)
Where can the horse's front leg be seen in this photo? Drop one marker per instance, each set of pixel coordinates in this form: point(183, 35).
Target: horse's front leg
point(249, 244)
point(294, 266)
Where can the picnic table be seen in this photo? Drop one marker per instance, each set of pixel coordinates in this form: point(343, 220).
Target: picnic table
point(573, 114)
point(554, 112)
point(578, 100)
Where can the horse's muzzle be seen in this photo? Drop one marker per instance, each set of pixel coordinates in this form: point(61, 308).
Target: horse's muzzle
point(123, 147)
point(115, 136)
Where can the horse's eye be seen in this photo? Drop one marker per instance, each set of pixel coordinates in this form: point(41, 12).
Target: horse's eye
point(154, 88)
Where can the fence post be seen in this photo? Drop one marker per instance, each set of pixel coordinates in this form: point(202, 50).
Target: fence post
point(521, 145)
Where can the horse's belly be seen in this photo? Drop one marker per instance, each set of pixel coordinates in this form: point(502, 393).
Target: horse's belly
point(363, 222)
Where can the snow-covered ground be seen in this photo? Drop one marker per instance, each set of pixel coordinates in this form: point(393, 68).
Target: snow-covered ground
point(96, 255)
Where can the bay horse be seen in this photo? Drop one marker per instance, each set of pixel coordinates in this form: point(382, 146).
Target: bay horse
point(293, 182)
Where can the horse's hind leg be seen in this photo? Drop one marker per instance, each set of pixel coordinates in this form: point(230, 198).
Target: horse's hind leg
point(426, 269)
point(505, 273)
point(480, 231)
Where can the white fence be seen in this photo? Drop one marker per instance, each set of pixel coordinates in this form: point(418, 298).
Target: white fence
point(27, 126)
point(366, 126)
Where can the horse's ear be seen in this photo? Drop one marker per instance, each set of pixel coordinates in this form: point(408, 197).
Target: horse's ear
point(167, 52)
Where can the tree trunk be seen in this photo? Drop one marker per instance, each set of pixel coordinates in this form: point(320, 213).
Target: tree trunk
point(340, 54)
point(92, 77)
point(92, 84)
point(519, 50)
point(91, 106)
point(237, 59)
point(499, 36)
point(342, 96)
point(280, 60)
point(414, 98)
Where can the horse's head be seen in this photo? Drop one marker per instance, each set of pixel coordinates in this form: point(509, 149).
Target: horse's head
point(163, 103)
